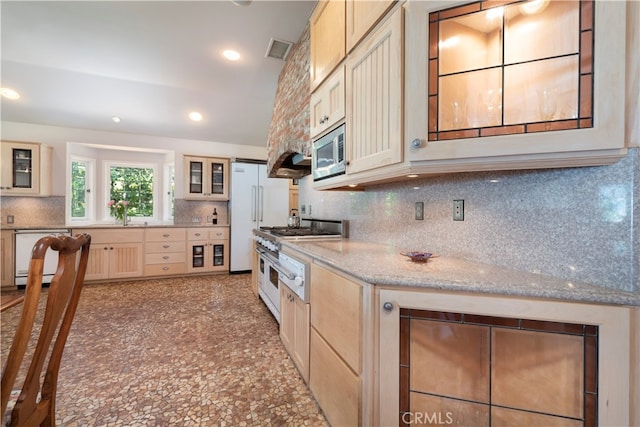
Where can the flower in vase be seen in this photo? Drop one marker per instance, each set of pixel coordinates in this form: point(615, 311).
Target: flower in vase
point(118, 209)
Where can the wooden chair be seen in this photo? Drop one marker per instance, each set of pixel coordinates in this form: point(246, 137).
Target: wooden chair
point(36, 403)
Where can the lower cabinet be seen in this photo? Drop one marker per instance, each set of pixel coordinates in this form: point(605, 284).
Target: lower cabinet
point(207, 249)
point(339, 340)
point(294, 329)
point(165, 251)
point(6, 257)
point(115, 254)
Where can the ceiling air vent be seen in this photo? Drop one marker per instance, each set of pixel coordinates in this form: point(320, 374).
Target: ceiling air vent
point(278, 49)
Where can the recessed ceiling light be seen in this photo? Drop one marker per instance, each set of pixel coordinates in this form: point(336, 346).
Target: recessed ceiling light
point(10, 93)
point(412, 175)
point(353, 185)
point(231, 55)
point(241, 2)
point(195, 116)
point(115, 119)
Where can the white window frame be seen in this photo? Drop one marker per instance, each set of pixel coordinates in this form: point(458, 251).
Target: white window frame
point(157, 185)
point(90, 214)
point(169, 172)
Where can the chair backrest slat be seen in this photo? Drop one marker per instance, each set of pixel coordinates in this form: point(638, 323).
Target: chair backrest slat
point(61, 304)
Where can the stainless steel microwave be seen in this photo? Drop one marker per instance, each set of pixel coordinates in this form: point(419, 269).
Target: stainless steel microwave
point(328, 155)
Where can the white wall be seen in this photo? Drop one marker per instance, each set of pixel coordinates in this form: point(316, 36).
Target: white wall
point(58, 137)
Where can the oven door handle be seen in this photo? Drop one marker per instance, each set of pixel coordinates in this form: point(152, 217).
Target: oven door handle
point(276, 264)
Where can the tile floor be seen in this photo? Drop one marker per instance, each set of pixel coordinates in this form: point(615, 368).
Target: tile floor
point(197, 351)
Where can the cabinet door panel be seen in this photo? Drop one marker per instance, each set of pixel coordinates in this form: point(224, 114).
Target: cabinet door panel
point(361, 16)
point(327, 28)
point(125, 260)
point(327, 103)
point(374, 95)
point(98, 264)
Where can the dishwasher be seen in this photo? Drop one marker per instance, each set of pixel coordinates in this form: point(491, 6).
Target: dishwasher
point(25, 241)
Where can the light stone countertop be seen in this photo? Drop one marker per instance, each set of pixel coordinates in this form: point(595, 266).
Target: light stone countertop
point(383, 265)
point(110, 226)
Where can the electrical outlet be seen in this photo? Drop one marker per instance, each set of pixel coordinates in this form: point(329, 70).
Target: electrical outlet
point(458, 210)
point(195, 219)
point(303, 209)
point(419, 211)
point(9, 219)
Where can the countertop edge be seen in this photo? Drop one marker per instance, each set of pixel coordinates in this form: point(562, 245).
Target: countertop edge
point(522, 284)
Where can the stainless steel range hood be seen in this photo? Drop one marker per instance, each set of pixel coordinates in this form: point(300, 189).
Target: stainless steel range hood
point(291, 165)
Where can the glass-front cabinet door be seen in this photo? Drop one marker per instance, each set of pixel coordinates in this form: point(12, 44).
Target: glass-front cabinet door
point(26, 169)
point(508, 79)
point(206, 178)
point(196, 175)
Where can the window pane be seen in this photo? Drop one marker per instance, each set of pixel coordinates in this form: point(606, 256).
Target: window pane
point(78, 190)
point(471, 42)
point(541, 90)
point(471, 99)
point(134, 185)
point(540, 29)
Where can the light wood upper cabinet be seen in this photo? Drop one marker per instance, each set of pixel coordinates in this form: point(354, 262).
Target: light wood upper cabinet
point(206, 178)
point(26, 169)
point(327, 104)
point(327, 44)
point(361, 17)
point(374, 98)
point(526, 116)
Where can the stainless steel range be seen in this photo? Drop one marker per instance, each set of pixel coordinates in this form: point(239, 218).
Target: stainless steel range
point(276, 268)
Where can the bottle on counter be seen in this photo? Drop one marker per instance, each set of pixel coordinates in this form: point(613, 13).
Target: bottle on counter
point(214, 216)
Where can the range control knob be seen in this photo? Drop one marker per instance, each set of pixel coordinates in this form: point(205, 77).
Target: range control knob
point(299, 281)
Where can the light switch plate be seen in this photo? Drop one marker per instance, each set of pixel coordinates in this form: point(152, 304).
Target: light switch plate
point(419, 211)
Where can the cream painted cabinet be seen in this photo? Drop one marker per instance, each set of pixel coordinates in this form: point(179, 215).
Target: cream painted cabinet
point(339, 341)
point(115, 254)
point(327, 34)
point(501, 351)
point(206, 178)
point(327, 104)
point(26, 169)
point(294, 329)
point(7, 259)
point(374, 98)
point(207, 249)
point(165, 251)
point(361, 17)
point(529, 102)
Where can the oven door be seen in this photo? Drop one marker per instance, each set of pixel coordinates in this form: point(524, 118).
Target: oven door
point(269, 289)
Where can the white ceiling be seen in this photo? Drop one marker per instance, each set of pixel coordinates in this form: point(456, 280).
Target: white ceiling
point(78, 63)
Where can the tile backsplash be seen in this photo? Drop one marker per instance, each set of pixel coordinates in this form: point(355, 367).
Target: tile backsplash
point(575, 223)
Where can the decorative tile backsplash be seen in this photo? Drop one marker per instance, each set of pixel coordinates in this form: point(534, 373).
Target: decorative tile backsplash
point(575, 223)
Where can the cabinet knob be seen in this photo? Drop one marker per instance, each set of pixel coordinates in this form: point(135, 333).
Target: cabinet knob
point(166, 246)
point(387, 306)
point(416, 143)
point(165, 235)
point(165, 257)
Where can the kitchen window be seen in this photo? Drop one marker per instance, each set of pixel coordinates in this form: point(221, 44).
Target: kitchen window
point(135, 183)
point(98, 174)
point(81, 200)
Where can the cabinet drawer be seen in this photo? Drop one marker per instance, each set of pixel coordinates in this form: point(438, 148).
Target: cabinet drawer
point(119, 235)
point(164, 269)
point(165, 247)
point(216, 233)
point(167, 258)
point(336, 313)
point(165, 234)
point(333, 384)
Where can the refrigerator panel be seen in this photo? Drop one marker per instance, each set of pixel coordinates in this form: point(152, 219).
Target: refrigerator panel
point(275, 203)
point(244, 212)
